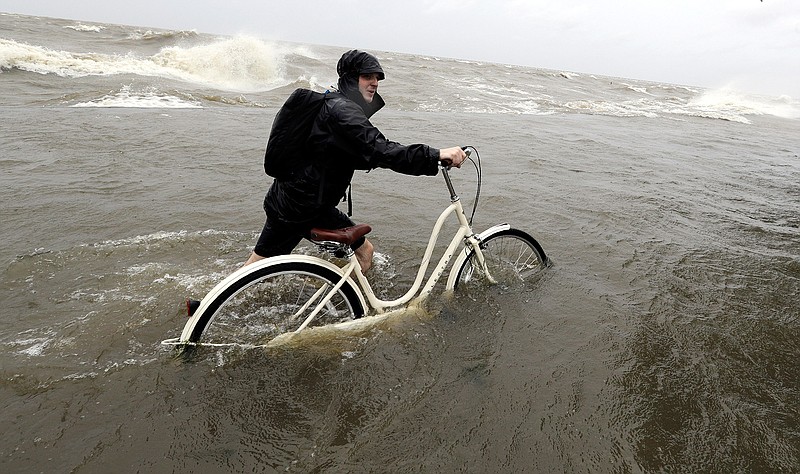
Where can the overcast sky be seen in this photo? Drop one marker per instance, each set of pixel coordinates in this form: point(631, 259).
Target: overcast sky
point(750, 45)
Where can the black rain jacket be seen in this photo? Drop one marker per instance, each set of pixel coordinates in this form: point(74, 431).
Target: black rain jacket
point(344, 140)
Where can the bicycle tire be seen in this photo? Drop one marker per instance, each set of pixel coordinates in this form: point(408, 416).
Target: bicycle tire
point(258, 306)
point(512, 257)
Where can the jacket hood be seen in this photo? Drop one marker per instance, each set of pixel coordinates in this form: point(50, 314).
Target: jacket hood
point(351, 65)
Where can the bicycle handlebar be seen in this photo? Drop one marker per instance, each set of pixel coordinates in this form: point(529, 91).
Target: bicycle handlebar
point(446, 173)
point(446, 166)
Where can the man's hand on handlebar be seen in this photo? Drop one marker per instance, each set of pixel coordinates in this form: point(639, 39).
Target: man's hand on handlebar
point(452, 156)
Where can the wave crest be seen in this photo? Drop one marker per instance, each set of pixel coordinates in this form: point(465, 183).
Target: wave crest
point(86, 28)
point(150, 35)
point(740, 103)
point(240, 64)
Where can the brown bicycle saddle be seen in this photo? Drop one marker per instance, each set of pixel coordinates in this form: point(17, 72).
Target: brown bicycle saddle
point(347, 235)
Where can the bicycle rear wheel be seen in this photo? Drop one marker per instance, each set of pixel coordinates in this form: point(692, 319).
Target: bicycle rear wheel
point(274, 300)
point(512, 257)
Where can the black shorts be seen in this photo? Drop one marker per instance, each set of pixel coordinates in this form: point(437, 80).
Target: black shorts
point(280, 238)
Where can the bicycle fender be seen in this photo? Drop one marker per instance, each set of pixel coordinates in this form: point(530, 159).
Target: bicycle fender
point(464, 253)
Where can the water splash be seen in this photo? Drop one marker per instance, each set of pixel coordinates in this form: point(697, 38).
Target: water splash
point(239, 64)
point(727, 100)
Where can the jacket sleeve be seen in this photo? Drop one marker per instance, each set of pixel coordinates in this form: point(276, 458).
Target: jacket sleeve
point(370, 149)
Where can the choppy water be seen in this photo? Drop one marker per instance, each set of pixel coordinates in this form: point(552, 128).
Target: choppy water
point(664, 338)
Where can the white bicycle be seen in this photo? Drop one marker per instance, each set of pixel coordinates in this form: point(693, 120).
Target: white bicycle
point(292, 293)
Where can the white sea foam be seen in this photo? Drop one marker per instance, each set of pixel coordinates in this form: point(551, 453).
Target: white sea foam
point(87, 28)
point(731, 101)
point(143, 268)
point(32, 343)
point(653, 108)
point(617, 109)
point(240, 64)
point(641, 90)
point(156, 237)
point(150, 98)
point(190, 282)
point(35, 347)
point(157, 35)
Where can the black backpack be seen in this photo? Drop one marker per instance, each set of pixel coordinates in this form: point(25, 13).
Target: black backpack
point(287, 147)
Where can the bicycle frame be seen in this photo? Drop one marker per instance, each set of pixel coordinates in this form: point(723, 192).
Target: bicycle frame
point(463, 234)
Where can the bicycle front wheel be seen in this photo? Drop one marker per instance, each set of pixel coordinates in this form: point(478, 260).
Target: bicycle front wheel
point(512, 257)
point(274, 300)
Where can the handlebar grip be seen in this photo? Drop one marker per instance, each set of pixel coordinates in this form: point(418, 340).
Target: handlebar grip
point(447, 166)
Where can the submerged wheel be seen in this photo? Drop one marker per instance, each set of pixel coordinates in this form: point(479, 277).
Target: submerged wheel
point(512, 257)
point(273, 300)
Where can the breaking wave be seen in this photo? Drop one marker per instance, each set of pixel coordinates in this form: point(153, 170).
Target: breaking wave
point(238, 64)
point(736, 102)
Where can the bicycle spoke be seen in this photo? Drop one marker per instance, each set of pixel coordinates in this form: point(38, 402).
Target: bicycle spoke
point(274, 301)
point(511, 257)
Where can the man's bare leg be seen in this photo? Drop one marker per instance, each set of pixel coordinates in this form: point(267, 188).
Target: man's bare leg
point(364, 255)
point(254, 257)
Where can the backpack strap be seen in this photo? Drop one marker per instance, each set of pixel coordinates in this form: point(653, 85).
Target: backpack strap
point(349, 200)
